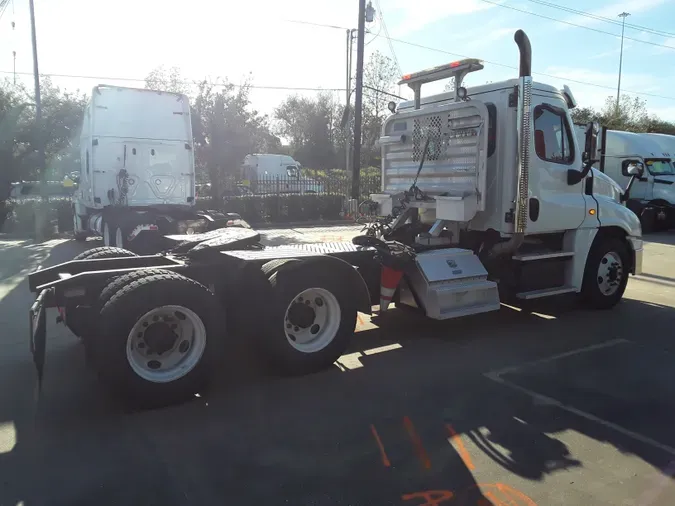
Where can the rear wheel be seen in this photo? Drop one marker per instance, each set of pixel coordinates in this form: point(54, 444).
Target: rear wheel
point(75, 316)
point(158, 339)
point(120, 238)
point(312, 319)
point(79, 234)
point(606, 274)
point(108, 235)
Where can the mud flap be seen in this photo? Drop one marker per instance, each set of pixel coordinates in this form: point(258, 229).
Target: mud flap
point(38, 334)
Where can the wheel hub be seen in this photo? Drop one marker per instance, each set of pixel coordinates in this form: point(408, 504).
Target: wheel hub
point(160, 337)
point(610, 273)
point(312, 320)
point(166, 343)
point(301, 314)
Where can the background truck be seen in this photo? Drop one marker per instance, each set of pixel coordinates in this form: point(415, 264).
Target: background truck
point(511, 212)
point(652, 197)
point(137, 173)
point(270, 173)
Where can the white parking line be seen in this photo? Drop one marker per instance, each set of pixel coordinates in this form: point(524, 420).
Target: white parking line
point(550, 401)
point(553, 358)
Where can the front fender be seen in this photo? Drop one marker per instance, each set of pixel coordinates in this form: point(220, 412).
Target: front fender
point(612, 214)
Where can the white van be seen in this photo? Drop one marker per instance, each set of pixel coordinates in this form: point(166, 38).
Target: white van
point(269, 173)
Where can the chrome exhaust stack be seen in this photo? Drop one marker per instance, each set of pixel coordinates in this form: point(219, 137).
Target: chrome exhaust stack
point(524, 146)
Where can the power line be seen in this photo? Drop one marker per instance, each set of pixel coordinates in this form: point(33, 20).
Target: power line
point(322, 25)
point(421, 46)
point(575, 25)
point(196, 81)
point(386, 34)
point(405, 42)
point(603, 19)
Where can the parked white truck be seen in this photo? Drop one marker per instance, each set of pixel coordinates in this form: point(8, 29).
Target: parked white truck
point(652, 196)
point(512, 209)
point(272, 173)
point(137, 172)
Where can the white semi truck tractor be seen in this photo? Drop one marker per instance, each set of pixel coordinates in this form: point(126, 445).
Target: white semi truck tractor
point(486, 196)
point(652, 196)
point(137, 170)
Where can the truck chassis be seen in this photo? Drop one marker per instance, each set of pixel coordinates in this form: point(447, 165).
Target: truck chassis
point(222, 283)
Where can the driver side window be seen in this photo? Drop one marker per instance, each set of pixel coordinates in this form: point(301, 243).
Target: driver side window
point(553, 135)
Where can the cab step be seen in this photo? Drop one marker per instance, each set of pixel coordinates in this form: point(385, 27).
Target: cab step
point(546, 292)
point(542, 255)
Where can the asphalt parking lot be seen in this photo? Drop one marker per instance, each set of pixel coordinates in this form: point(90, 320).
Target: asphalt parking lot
point(544, 405)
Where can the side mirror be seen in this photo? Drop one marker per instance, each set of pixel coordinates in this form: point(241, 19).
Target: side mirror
point(632, 168)
point(591, 140)
point(392, 107)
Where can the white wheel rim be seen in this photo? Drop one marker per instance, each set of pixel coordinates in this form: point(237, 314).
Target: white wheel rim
point(312, 320)
point(119, 240)
point(610, 273)
point(166, 343)
point(106, 234)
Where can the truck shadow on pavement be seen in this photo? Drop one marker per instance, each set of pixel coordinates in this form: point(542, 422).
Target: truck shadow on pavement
point(421, 386)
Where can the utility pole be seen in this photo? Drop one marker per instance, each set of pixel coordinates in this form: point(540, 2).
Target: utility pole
point(40, 210)
point(348, 94)
point(623, 15)
point(358, 95)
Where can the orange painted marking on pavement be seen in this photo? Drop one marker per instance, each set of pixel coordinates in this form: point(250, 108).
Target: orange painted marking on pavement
point(459, 446)
point(417, 443)
point(385, 459)
point(428, 496)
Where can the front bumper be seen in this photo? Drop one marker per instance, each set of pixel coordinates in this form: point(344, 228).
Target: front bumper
point(638, 249)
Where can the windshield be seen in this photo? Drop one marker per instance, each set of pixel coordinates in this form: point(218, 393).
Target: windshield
point(660, 167)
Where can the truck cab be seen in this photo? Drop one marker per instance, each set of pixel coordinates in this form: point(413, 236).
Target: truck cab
point(498, 168)
point(652, 196)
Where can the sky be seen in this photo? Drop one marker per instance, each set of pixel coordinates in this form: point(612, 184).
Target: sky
point(83, 43)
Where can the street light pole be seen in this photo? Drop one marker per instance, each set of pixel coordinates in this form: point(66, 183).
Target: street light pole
point(623, 15)
point(40, 209)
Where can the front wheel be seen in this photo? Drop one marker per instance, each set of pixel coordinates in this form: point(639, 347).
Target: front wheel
point(311, 321)
point(606, 274)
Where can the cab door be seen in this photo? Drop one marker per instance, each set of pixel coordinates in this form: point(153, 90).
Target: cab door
point(554, 204)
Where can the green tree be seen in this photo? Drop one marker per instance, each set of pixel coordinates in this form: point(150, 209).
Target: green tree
point(61, 122)
point(311, 124)
point(226, 129)
point(380, 75)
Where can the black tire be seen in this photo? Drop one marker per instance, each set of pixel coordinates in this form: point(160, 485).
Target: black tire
point(137, 296)
point(104, 252)
point(591, 292)
point(273, 266)
point(272, 342)
point(75, 317)
point(648, 220)
point(110, 233)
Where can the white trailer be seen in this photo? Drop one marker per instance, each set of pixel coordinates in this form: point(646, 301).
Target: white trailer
point(137, 174)
point(272, 173)
point(652, 197)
